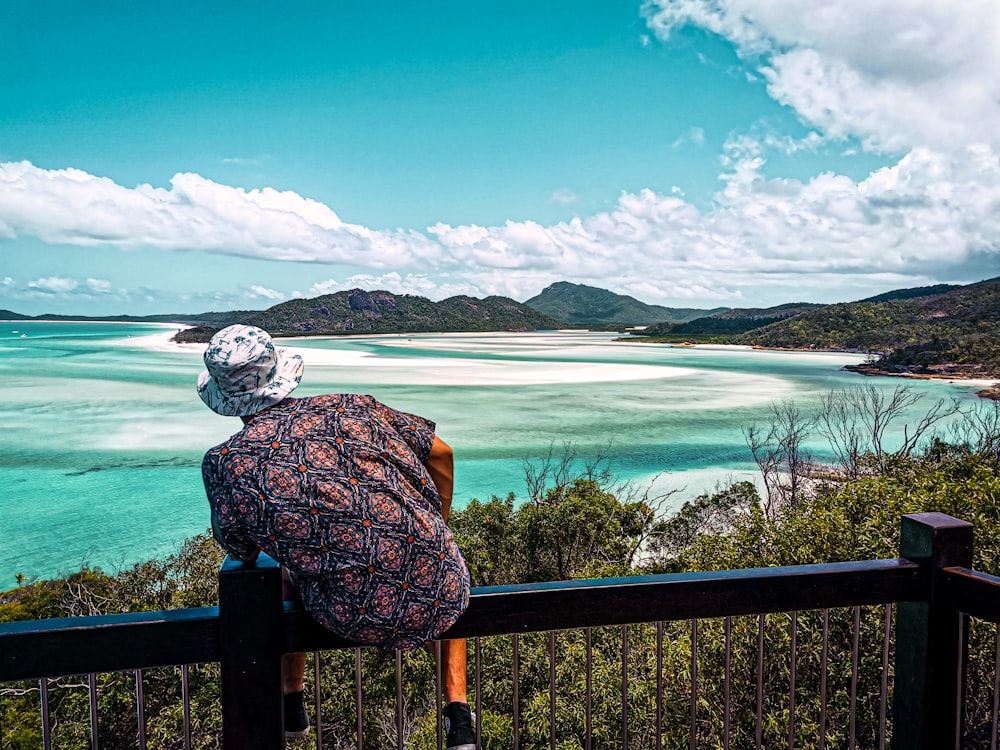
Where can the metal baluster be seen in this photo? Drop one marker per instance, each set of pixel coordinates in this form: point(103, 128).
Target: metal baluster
point(694, 684)
point(961, 706)
point(318, 697)
point(92, 684)
point(791, 682)
point(479, 697)
point(186, 706)
point(996, 689)
point(884, 694)
point(517, 696)
point(358, 696)
point(727, 682)
point(659, 685)
point(624, 687)
point(760, 680)
point(824, 661)
point(140, 700)
point(552, 690)
point(855, 649)
point(590, 689)
point(399, 700)
point(46, 719)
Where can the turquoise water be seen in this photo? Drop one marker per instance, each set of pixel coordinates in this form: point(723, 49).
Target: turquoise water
point(103, 433)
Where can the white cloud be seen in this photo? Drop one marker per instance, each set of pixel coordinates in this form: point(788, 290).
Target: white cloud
point(932, 216)
point(911, 77)
point(694, 136)
point(240, 161)
point(63, 288)
point(564, 197)
point(69, 206)
point(418, 284)
point(53, 285)
point(894, 73)
point(262, 292)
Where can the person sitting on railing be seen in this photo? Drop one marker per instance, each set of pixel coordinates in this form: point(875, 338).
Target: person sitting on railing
point(351, 497)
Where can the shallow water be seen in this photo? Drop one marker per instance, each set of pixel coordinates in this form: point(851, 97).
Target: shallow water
point(102, 435)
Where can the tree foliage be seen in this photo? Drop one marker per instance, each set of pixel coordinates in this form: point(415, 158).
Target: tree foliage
point(953, 331)
point(357, 311)
point(576, 523)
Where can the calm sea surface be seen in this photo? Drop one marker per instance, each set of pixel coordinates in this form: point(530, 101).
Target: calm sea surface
point(102, 433)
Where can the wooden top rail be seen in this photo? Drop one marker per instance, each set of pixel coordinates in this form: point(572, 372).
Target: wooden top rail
point(80, 645)
point(972, 593)
point(108, 643)
point(48, 648)
point(561, 605)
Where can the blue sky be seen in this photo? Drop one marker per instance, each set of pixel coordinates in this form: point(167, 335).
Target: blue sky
point(190, 156)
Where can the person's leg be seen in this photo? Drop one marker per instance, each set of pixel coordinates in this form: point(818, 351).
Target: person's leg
point(293, 669)
point(453, 671)
point(459, 721)
point(293, 666)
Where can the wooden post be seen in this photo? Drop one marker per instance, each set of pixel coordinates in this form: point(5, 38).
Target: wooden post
point(928, 694)
point(250, 643)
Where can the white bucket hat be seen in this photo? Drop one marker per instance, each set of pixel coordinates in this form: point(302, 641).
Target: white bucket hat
point(246, 372)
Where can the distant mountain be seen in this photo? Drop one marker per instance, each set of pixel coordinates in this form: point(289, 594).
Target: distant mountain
point(498, 313)
point(951, 332)
point(942, 329)
point(732, 322)
point(578, 304)
point(358, 311)
point(917, 291)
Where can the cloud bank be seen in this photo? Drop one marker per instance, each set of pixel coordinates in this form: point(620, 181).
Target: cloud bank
point(894, 73)
point(915, 80)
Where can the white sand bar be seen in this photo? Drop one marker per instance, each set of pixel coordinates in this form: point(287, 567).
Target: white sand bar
point(350, 366)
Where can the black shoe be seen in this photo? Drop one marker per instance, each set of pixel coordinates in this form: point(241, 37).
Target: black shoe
point(459, 726)
point(296, 721)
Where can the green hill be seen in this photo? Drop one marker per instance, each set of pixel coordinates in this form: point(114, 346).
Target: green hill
point(360, 312)
point(917, 291)
point(732, 322)
point(496, 313)
point(579, 304)
point(954, 332)
point(10, 315)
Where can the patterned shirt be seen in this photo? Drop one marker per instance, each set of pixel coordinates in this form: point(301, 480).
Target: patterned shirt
point(335, 489)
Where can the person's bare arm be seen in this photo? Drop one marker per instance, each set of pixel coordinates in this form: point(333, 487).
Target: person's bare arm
point(441, 466)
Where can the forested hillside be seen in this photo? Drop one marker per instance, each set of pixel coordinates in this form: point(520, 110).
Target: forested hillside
point(955, 331)
point(732, 322)
point(911, 292)
point(357, 311)
point(579, 304)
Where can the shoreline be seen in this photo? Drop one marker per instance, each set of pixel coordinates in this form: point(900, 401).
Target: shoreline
point(989, 387)
point(163, 342)
point(436, 370)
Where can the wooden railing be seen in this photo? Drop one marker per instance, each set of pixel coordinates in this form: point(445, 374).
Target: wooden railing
point(930, 584)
